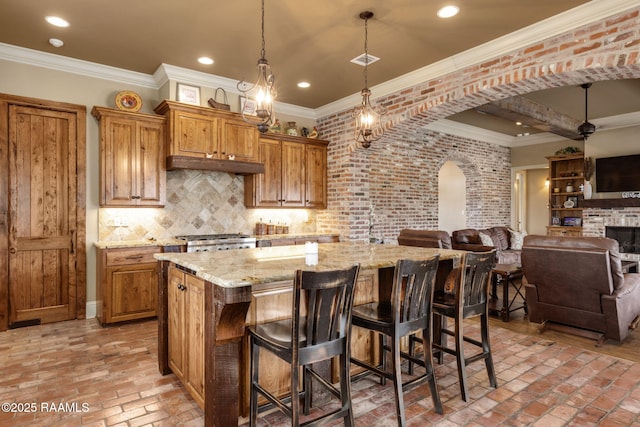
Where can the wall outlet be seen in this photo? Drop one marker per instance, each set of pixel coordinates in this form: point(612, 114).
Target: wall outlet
point(120, 221)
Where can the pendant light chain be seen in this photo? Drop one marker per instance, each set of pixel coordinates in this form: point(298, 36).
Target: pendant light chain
point(263, 92)
point(366, 52)
point(263, 50)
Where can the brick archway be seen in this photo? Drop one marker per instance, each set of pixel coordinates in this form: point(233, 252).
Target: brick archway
point(606, 50)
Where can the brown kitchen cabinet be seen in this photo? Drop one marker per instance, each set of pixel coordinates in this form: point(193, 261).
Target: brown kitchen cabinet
point(206, 133)
point(127, 285)
point(132, 159)
point(295, 174)
point(185, 299)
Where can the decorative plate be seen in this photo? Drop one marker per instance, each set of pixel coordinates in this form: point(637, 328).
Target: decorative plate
point(569, 204)
point(128, 101)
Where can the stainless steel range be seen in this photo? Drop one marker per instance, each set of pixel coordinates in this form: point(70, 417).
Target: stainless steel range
point(217, 242)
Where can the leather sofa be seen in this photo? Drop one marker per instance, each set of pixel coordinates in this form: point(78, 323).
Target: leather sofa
point(578, 282)
point(425, 238)
point(498, 238)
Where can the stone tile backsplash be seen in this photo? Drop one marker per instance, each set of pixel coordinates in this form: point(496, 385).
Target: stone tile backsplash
point(198, 202)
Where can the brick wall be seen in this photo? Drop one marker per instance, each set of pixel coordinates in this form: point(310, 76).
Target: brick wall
point(375, 192)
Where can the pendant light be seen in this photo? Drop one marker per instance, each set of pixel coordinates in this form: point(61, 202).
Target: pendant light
point(586, 128)
point(368, 121)
point(262, 92)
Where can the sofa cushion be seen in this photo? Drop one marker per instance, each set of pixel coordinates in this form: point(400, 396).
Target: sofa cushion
point(517, 238)
point(486, 239)
point(468, 235)
point(501, 237)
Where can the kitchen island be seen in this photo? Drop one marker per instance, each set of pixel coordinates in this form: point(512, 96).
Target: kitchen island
point(221, 292)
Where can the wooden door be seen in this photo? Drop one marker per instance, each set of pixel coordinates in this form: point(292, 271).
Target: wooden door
point(293, 173)
point(316, 176)
point(43, 233)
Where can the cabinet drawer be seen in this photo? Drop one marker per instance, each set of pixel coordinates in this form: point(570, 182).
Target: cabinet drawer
point(132, 255)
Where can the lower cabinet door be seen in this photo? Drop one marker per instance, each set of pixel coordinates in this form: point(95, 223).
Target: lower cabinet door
point(194, 381)
point(134, 290)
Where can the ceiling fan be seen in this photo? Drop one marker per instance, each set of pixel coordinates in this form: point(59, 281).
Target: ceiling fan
point(586, 128)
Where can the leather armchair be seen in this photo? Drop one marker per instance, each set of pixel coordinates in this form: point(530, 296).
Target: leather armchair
point(578, 282)
point(425, 238)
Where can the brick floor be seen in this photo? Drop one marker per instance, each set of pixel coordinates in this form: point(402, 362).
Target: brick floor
point(78, 373)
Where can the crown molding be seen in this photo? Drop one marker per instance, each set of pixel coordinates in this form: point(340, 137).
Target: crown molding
point(587, 13)
point(74, 66)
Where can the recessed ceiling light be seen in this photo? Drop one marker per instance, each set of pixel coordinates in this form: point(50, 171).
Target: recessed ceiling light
point(518, 123)
point(205, 60)
point(304, 85)
point(57, 21)
point(56, 42)
point(448, 11)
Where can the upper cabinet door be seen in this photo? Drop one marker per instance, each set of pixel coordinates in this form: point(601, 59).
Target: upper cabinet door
point(239, 140)
point(132, 158)
point(151, 180)
point(293, 172)
point(316, 176)
point(194, 135)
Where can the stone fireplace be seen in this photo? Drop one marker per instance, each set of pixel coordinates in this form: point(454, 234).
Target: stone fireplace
point(616, 222)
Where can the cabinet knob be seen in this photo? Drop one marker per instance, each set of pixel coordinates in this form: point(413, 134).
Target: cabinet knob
point(136, 197)
point(12, 250)
point(181, 287)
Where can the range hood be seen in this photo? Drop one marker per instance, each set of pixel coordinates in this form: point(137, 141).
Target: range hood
point(231, 166)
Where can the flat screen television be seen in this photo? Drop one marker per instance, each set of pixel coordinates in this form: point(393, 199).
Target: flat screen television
point(618, 173)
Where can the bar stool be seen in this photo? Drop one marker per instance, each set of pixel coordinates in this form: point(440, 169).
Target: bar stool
point(469, 299)
point(408, 312)
point(322, 334)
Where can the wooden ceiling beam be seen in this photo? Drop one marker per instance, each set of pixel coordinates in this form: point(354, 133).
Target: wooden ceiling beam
point(535, 115)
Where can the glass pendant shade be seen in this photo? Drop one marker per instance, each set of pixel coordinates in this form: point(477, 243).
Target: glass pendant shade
point(368, 121)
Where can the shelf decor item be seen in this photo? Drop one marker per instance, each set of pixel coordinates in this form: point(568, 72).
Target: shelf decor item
point(588, 171)
point(127, 100)
point(188, 94)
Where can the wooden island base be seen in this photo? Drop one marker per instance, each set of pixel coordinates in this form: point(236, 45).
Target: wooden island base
point(205, 302)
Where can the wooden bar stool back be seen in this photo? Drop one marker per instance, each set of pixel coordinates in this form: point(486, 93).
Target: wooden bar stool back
point(408, 312)
point(322, 334)
point(469, 299)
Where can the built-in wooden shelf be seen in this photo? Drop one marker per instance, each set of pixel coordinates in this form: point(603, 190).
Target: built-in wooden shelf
point(610, 203)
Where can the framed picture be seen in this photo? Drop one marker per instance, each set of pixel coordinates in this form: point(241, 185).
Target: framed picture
point(570, 221)
point(574, 199)
point(555, 220)
point(248, 106)
point(188, 94)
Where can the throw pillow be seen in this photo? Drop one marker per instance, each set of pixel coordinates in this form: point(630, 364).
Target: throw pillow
point(517, 238)
point(485, 239)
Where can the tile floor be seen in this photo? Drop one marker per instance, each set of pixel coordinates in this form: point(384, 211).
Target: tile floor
point(78, 373)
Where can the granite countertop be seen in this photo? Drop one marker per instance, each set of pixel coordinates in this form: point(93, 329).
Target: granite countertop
point(246, 267)
point(138, 243)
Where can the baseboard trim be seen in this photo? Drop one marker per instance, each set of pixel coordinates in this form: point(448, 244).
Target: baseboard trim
point(91, 309)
